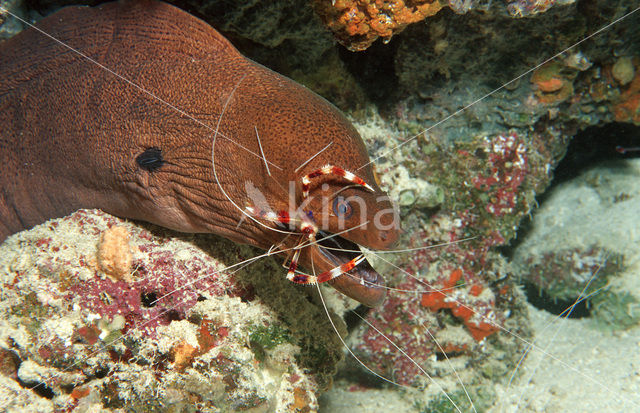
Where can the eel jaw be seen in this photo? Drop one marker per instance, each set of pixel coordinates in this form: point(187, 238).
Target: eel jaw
point(362, 283)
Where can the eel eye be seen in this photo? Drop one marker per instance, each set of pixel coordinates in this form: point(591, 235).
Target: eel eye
point(342, 208)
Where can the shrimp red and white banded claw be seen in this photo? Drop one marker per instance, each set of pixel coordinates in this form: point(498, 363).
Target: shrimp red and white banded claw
point(301, 278)
point(309, 229)
point(331, 170)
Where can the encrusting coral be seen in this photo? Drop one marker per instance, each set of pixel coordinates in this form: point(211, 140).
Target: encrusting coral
point(100, 313)
point(357, 24)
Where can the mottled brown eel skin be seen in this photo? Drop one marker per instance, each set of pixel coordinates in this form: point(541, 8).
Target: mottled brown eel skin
point(131, 133)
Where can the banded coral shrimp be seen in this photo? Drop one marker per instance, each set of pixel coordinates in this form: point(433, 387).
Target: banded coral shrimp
point(452, 272)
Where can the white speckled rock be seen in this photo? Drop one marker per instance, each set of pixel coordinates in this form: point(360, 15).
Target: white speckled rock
point(176, 334)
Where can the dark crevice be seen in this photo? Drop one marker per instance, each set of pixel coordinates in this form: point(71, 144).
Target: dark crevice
point(148, 299)
point(172, 315)
point(440, 356)
point(543, 301)
point(354, 317)
point(589, 147)
point(40, 388)
point(374, 70)
point(597, 145)
point(101, 373)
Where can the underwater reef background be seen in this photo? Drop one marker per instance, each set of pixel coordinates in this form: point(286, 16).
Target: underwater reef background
point(472, 127)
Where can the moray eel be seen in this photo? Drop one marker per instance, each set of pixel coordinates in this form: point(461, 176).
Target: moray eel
point(116, 107)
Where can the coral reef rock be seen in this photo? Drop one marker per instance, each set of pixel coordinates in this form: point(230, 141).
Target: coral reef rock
point(99, 313)
point(557, 259)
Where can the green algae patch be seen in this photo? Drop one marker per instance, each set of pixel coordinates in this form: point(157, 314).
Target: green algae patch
point(271, 336)
point(482, 399)
point(266, 338)
point(571, 273)
point(615, 310)
point(31, 311)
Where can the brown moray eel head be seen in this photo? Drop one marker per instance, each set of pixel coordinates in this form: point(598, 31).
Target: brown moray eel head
point(132, 132)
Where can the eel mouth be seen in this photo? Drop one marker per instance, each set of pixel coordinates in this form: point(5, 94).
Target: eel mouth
point(362, 283)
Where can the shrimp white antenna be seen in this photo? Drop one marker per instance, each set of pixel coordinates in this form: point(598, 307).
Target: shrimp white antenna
point(264, 158)
point(562, 317)
point(464, 388)
point(127, 81)
point(408, 357)
point(459, 111)
point(532, 345)
point(312, 157)
point(326, 310)
point(213, 162)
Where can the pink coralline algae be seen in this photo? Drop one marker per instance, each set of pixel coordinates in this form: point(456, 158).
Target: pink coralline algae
point(506, 168)
point(445, 298)
point(444, 305)
point(164, 289)
point(161, 288)
point(456, 296)
point(141, 341)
